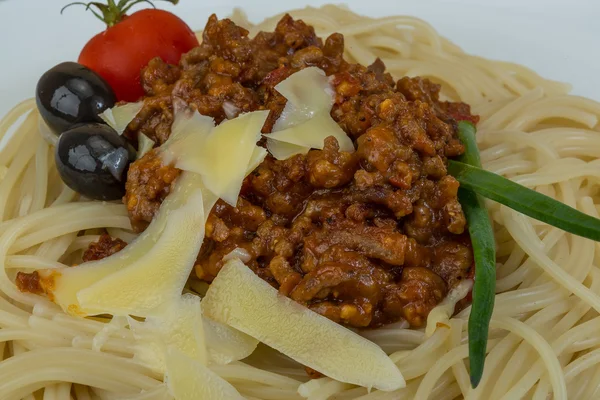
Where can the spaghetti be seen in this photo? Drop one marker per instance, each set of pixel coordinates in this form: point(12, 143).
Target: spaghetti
point(544, 330)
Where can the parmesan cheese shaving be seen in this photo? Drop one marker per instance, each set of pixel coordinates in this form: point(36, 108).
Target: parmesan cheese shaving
point(119, 117)
point(283, 150)
point(149, 348)
point(226, 344)
point(258, 155)
point(307, 92)
point(188, 134)
point(145, 144)
point(62, 286)
point(239, 298)
point(313, 133)
point(182, 326)
point(223, 156)
point(178, 326)
point(188, 379)
point(158, 278)
point(305, 122)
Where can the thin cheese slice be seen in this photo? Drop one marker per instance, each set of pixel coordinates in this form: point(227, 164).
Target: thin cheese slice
point(107, 116)
point(188, 379)
point(313, 133)
point(283, 150)
point(149, 348)
point(218, 154)
point(188, 135)
point(239, 298)
point(179, 326)
point(305, 122)
point(307, 92)
point(145, 144)
point(225, 155)
point(157, 278)
point(258, 156)
point(63, 285)
point(187, 122)
point(119, 117)
point(226, 344)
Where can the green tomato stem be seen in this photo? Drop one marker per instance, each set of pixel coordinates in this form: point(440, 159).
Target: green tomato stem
point(112, 13)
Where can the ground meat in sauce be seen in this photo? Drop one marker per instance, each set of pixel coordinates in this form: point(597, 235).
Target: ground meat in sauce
point(363, 238)
point(148, 184)
point(104, 247)
point(29, 282)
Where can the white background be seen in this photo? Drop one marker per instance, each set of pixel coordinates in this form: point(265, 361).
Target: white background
point(558, 38)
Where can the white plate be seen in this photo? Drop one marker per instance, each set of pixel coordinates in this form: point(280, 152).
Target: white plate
point(557, 38)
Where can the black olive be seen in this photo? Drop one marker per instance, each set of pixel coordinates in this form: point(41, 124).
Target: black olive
point(93, 160)
point(70, 94)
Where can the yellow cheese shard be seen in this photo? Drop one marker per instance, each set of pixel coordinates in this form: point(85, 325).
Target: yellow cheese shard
point(158, 278)
point(258, 155)
point(313, 133)
point(305, 122)
point(189, 132)
point(307, 92)
point(239, 298)
point(62, 286)
point(182, 326)
point(224, 156)
point(3, 172)
point(190, 121)
point(145, 144)
point(119, 117)
point(178, 326)
point(225, 344)
point(188, 379)
point(283, 150)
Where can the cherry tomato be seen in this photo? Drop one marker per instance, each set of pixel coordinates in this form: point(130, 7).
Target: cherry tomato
point(127, 45)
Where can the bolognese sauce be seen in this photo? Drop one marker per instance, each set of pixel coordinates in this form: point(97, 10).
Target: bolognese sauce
point(364, 238)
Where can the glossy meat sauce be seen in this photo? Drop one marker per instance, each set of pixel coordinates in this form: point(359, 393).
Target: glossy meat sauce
point(364, 239)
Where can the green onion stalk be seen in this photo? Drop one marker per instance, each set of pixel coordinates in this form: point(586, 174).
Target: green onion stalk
point(476, 183)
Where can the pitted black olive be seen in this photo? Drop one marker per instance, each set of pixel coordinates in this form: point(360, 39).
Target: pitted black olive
point(93, 160)
point(70, 94)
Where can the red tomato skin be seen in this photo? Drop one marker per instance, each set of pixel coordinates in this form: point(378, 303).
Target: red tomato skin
point(121, 52)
